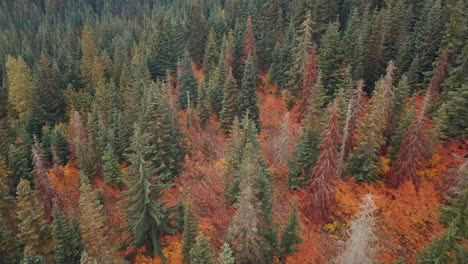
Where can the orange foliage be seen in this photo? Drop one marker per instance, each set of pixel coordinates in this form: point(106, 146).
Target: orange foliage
point(173, 254)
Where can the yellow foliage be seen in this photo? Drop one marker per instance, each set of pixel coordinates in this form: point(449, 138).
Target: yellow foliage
point(385, 166)
point(434, 169)
point(173, 254)
point(22, 86)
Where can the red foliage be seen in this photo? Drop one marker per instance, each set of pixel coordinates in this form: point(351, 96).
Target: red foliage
point(250, 48)
point(310, 77)
point(319, 198)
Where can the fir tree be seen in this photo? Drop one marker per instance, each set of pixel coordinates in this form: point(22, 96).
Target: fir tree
point(201, 252)
point(248, 99)
point(9, 246)
point(111, 167)
point(186, 83)
point(226, 255)
point(66, 238)
point(147, 220)
point(330, 60)
point(190, 232)
point(18, 164)
point(301, 55)
point(204, 107)
point(210, 58)
point(230, 104)
point(34, 231)
point(290, 235)
point(319, 197)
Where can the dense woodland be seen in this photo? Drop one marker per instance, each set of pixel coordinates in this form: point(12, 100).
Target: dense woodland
point(233, 131)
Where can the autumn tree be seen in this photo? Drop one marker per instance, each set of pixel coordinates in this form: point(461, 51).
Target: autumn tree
point(147, 220)
point(21, 87)
point(310, 78)
point(34, 231)
point(250, 47)
point(319, 197)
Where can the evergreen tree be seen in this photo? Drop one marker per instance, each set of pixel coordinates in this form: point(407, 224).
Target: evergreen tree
point(406, 120)
point(34, 231)
point(67, 247)
point(204, 107)
point(282, 58)
point(190, 232)
point(18, 164)
point(201, 252)
point(111, 167)
point(31, 258)
point(226, 255)
point(230, 103)
point(319, 197)
point(210, 57)
point(306, 153)
point(303, 48)
point(330, 60)
point(250, 47)
point(290, 235)
point(310, 78)
point(147, 220)
point(93, 226)
point(9, 246)
point(186, 83)
point(248, 99)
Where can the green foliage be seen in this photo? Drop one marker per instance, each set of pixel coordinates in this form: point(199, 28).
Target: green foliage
point(226, 255)
point(290, 235)
point(19, 164)
point(204, 107)
point(230, 104)
point(9, 246)
point(66, 238)
point(147, 220)
point(186, 83)
point(111, 167)
point(248, 99)
point(201, 252)
point(190, 232)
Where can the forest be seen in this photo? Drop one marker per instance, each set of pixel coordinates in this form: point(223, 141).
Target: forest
point(233, 131)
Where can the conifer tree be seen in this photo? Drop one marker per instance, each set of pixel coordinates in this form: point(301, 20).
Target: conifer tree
point(353, 42)
point(186, 83)
point(290, 235)
point(29, 257)
point(230, 103)
point(210, 58)
point(93, 226)
point(9, 246)
point(21, 87)
point(111, 167)
point(18, 164)
point(250, 47)
point(319, 197)
point(190, 232)
point(248, 99)
point(406, 120)
point(226, 255)
point(330, 60)
point(201, 252)
point(216, 87)
point(300, 58)
point(67, 244)
point(204, 107)
point(147, 220)
point(306, 153)
point(34, 231)
point(310, 78)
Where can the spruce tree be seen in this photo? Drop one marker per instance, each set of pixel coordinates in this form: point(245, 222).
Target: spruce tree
point(9, 246)
point(201, 252)
point(248, 99)
point(186, 83)
point(230, 103)
point(210, 58)
point(190, 232)
point(34, 231)
point(204, 107)
point(18, 164)
point(67, 247)
point(290, 235)
point(330, 60)
point(147, 220)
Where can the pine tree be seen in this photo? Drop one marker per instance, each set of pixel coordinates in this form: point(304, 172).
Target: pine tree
point(67, 248)
point(186, 83)
point(319, 197)
point(250, 47)
point(248, 99)
point(300, 58)
point(210, 58)
point(330, 60)
point(230, 103)
point(353, 41)
point(147, 220)
point(111, 167)
point(406, 120)
point(226, 255)
point(18, 164)
point(190, 232)
point(21, 87)
point(201, 252)
point(93, 226)
point(306, 152)
point(34, 231)
point(9, 246)
point(290, 235)
point(282, 58)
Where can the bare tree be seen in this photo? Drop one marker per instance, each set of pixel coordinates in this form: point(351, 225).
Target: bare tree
point(359, 248)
